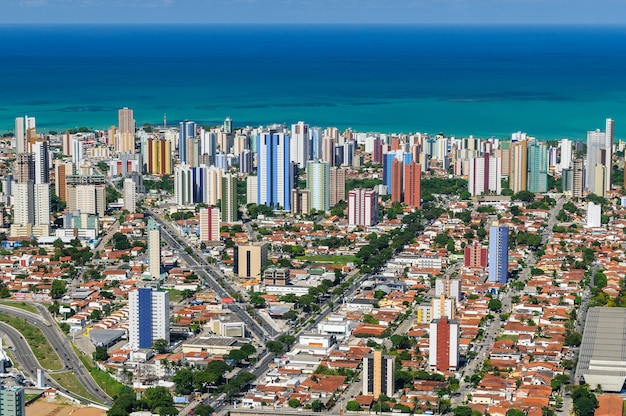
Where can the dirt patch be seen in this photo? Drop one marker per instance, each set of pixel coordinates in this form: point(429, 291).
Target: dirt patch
point(43, 407)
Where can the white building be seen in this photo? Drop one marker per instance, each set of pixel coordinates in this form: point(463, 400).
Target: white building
point(154, 249)
point(594, 215)
point(362, 207)
point(300, 139)
point(149, 317)
point(318, 182)
point(130, 195)
point(209, 224)
point(450, 288)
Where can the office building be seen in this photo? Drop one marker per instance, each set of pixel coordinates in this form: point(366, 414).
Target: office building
point(537, 165)
point(337, 187)
point(362, 207)
point(299, 142)
point(209, 224)
point(130, 195)
point(154, 249)
point(275, 170)
point(443, 355)
point(475, 256)
point(498, 253)
point(300, 201)
point(378, 374)
point(412, 185)
point(229, 204)
point(149, 317)
point(249, 260)
point(318, 183)
point(125, 138)
point(12, 401)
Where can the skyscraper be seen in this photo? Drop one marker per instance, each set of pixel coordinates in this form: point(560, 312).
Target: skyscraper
point(498, 253)
point(183, 185)
point(396, 180)
point(378, 374)
point(537, 165)
point(578, 178)
point(126, 136)
point(484, 175)
point(337, 185)
point(229, 198)
point(249, 260)
point(519, 166)
point(300, 201)
point(362, 207)
point(149, 317)
point(154, 249)
point(412, 185)
point(24, 168)
point(599, 153)
point(388, 159)
point(209, 224)
point(300, 139)
point(275, 171)
point(187, 130)
point(41, 156)
point(130, 195)
point(318, 182)
point(62, 169)
point(565, 146)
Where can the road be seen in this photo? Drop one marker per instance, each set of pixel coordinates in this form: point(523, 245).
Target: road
point(61, 345)
point(210, 274)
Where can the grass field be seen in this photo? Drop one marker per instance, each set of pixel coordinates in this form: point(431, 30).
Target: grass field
point(328, 259)
point(21, 305)
point(38, 343)
point(69, 381)
point(107, 383)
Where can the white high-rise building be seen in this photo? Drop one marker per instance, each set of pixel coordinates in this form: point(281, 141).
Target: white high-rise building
point(77, 150)
point(443, 307)
point(41, 208)
point(300, 140)
point(484, 175)
point(599, 154)
point(149, 317)
point(41, 153)
point(23, 203)
point(594, 215)
point(20, 135)
point(318, 182)
point(229, 199)
point(252, 195)
point(183, 185)
point(362, 207)
point(566, 154)
point(154, 249)
point(275, 169)
point(130, 195)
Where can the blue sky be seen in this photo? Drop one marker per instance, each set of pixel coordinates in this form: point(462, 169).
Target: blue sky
point(315, 11)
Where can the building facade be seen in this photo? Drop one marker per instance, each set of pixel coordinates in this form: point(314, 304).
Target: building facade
point(149, 317)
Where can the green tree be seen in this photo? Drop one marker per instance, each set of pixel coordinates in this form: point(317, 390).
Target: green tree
point(462, 411)
point(294, 403)
point(184, 381)
point(317, 406)
point(158, 398)
point(101, 354)
point(160, 345)
point(237, 355)
point(275, 347)
point(515, 412)
point(203, 410)
point(494, 305)
point(120, 241)
point(58, 289)
point(353, 406)
point(248, 349)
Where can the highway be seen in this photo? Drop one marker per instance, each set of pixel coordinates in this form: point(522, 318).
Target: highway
point(210, 275)
point(61, 345)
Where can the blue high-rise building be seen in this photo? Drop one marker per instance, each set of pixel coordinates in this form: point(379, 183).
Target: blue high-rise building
point(316, 143)
point(149, 317)
point(388, 159)
point(498, 253)
point(275, 170)
point(187, 130)
point(537, 166)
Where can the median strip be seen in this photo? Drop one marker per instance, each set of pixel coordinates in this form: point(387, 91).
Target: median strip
point(43, 351)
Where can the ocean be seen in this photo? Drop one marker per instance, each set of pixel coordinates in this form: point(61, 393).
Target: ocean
point(549, 81)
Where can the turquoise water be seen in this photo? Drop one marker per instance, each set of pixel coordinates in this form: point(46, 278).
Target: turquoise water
point(551, 82)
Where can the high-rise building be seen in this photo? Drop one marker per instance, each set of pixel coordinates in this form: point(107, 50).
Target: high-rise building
point(484, 175)
point(31, 209)
point(299, 142)
point(378, 374)
point(448, 287)
point(578, 178)
point(396, 180)
point(228, 125)
point(519, 166)
point(362, 207)
point(86, 193)
point(252, 196)
point(187, 130)
point(229, 198)
point(24, 168)
point(41, 202)
point(209, 224)
point(443, 307)
point(300, 201)
point(275, 170)
point(20, 135)
point(412, 185)
point(41, 156)
point(23, 201)
point(388, 159)
point(183, 185)
point(565, 146)
point(337, 185)
point(130, 195)
point(62, 170)
point(249, 260)
point(12, 401)
point(498, 253)
point(443, 355)
point(154, 249)
point(149, 317)
point(475, 256)
point(594, 215)
point(316, 144)
point(126, 136)
point(599, 153)
point(328, 150)
point(158, 156)
point(318, 182)
point(537, 165)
